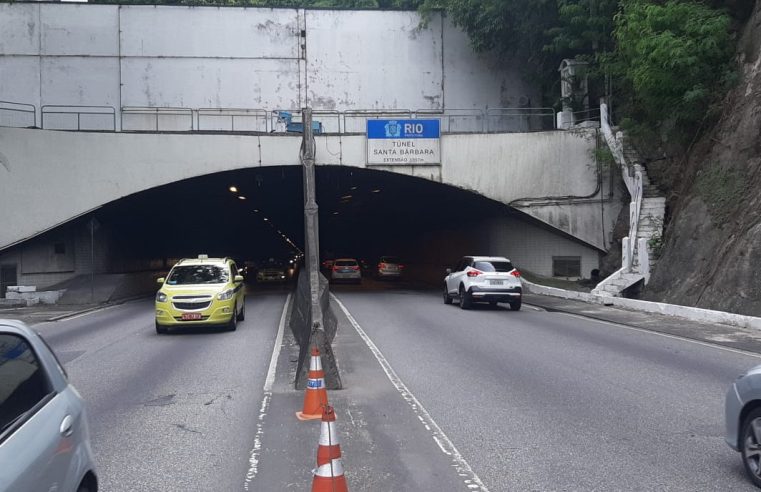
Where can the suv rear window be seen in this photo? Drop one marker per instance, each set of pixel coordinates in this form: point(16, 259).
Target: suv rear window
point(346, 263)
point(493, 266)
point(198, 274)
point(390, 259)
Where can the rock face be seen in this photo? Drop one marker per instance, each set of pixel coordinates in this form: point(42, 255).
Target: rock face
point(712, 251)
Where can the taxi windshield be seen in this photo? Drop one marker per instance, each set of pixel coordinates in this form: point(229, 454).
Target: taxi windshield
point(198, 274)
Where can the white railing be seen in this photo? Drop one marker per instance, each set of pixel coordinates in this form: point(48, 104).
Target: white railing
point(630, 246)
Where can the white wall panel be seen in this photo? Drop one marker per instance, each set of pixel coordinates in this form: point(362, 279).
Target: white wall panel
point(372, 60)
point(91, 30)
point(465, 85)
point(19, 29)
point(20, 79)
point(209, 32)
point(80, 81)
point(210, 83)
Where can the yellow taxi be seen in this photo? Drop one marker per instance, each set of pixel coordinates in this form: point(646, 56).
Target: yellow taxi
point(201, 291)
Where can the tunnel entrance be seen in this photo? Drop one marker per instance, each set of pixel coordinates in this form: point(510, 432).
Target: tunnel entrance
point(256, 214)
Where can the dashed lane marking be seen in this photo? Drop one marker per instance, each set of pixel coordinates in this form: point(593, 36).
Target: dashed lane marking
point(253, 459)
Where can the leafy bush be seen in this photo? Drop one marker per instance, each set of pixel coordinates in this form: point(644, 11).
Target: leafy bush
point(675, 56)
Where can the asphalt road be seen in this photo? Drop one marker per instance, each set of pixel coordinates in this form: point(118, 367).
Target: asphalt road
point(173, 412)
point(529, 400)
point(538, 400)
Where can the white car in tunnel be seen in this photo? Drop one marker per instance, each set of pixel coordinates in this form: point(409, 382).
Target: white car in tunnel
point(489, 279)
point(346, 269)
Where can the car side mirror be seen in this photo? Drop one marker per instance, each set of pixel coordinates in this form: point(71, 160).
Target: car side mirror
point(238, 278)
point(449, 270)
point(160, 280)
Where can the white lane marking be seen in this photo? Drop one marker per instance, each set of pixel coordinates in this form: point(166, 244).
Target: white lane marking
point(665, 335)
point(276, 351)
point(471, 480)
point(253, 459)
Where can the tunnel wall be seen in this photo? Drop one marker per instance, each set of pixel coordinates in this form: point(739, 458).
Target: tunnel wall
point(529, 246)
point(49, 177)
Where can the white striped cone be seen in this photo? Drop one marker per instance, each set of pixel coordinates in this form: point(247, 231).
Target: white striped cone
point(329, 474)
point(315, 395)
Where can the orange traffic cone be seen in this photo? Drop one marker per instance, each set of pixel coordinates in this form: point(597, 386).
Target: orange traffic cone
point(315, 396)
point(329, 474)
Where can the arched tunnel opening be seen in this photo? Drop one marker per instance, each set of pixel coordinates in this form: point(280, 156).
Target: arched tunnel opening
point(255, 215)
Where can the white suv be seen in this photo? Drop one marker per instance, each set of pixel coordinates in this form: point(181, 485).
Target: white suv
point(489, 279)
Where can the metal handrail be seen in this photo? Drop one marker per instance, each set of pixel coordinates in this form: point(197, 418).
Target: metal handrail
point(447, 116)
point(157, 112)
point(524, 113)
point(232, 113)
point(21, 108)
point(78, 111)
point(462, 120)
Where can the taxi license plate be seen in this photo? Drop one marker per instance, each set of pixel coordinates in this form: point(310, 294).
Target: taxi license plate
point(495, 282)
point(191, 316)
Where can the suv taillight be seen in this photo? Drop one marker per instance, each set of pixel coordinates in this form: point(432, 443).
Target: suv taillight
point(355, 267)
point(515, 273)
point(474, 273)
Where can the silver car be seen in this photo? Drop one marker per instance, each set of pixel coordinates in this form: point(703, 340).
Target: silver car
point(346, 269)
point(742, 412)
point(44, 437)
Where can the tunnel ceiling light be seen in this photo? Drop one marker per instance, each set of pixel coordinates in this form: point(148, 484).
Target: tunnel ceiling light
point(241, 197)
point(335, 213)
point(234, 189)
point(256, 210)
point(376, 191)
point(353, 188)
point(266, 219)
point(346, 197)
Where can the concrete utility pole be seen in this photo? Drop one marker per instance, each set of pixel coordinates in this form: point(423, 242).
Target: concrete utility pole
point(311, 221)
point(320, 325)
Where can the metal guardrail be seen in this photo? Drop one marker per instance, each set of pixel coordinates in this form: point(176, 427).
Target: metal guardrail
point(254, 120)
point(232, 120)
point(17, 115)
point(137, 118)
point(506, 120)
point(90, 118)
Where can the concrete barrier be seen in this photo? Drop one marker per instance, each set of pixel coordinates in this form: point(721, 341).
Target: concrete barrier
point(307, 335)
point(686, 312)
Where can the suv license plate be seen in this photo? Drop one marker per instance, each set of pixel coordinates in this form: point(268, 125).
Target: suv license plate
point(495, 282)
point(191, 316)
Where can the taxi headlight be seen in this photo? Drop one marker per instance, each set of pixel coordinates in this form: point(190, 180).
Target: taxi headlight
point(226, 295)
point(160, 297)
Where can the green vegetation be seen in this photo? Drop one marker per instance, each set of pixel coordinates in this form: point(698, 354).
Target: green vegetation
point(720, 188)
point(666, 63)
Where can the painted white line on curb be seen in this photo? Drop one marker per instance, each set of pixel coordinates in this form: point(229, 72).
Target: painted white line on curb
point(253, 459)
point(660, 334)
point(470, 479)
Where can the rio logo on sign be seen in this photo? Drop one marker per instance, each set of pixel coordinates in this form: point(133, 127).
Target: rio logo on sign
point(410, 141)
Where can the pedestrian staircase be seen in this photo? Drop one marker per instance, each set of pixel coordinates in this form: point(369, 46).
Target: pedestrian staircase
point(646, 213)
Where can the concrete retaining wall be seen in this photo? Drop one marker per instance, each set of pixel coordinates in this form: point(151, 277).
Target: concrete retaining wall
point(691, 313)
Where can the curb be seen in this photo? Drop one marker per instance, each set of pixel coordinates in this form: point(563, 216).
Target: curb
point(674, 310)
point(96, 308)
